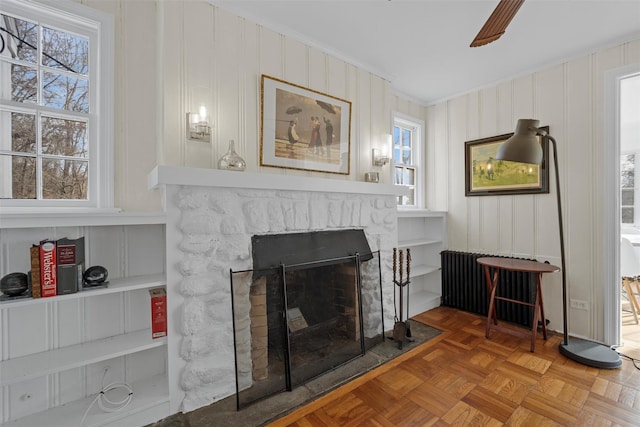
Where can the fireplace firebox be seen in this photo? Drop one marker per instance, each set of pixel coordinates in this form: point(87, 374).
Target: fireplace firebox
point(312, 299)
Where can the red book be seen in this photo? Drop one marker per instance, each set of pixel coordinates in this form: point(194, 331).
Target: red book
point(158, 312)
point(48, 268)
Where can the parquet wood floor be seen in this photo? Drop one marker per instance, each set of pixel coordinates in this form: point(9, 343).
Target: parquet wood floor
point(460, 378)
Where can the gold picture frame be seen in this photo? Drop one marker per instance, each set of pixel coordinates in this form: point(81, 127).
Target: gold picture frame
point(303, 129)
point(485, 176)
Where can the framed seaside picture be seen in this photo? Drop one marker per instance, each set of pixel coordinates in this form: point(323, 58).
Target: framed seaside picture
point(303, 129)
point(486, 176)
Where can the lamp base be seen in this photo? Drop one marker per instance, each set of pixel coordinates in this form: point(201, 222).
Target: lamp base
point(591, 354)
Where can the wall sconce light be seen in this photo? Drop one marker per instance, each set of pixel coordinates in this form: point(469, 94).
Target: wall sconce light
point(198, 127)
point(380, 157)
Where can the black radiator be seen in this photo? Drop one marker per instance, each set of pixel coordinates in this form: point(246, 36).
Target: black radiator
point(464, 287)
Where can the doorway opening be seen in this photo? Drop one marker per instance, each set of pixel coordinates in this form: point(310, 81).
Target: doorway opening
point(622, 132)
point(628, 124)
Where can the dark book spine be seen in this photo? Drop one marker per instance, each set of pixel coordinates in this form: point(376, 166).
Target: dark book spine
point(70, 257)
point(35, 271)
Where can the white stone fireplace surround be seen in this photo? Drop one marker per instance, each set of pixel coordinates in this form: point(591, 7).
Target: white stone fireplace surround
point(211, 216)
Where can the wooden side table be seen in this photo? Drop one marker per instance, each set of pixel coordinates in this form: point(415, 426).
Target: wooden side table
point(525, 266)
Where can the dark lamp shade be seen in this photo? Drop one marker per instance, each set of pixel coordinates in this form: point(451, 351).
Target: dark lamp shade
point(523, 146)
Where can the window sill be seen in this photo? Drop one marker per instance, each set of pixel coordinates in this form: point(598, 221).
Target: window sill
point(10, 218)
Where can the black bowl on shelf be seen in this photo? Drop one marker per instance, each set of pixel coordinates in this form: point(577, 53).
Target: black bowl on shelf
point(95, 275)
point(14, 284)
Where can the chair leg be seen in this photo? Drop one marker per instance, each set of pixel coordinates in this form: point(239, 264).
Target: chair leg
point(633, 302)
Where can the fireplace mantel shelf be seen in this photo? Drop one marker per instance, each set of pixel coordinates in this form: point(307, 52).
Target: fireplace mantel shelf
point(171, 175)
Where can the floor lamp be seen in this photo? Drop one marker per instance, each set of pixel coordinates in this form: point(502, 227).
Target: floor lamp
point(524, 147)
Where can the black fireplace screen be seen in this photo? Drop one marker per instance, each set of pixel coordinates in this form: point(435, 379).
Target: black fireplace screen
point(295, 322)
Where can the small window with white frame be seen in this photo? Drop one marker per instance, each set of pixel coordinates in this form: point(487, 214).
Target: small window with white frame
point(407, 143)
point(628, 188)
point(55, 122)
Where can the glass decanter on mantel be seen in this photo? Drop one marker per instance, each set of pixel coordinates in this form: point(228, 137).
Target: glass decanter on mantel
point(232, 160)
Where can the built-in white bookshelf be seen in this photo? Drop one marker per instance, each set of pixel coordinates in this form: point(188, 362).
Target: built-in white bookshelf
point(424, 233)
point(58, 352)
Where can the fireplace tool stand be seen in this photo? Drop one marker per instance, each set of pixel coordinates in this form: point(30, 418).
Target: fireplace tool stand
point(401, 328)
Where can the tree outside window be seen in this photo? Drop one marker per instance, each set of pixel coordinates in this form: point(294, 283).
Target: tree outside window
point(43, 121)
point(56, 147)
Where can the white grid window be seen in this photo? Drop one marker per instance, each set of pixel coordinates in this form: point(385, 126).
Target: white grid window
point(407, 141)
point(55, 147)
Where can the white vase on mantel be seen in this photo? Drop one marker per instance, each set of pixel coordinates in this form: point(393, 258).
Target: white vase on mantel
point(231, 160)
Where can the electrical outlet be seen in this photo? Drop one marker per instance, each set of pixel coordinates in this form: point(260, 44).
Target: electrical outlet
point(579, 304)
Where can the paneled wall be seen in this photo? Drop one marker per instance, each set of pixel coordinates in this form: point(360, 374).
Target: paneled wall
point(173, 56)
point(569, 98)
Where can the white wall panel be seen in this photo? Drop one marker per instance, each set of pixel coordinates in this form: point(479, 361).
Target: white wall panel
point(486, 124)
point(136, 136)
point(578, 199)
point(338, 72)
point(488, 111)
point(101, 308)
point(226, 60)
point(145, 364)
point(463, 126)
point(103, 246)
point(140, 242)
point(317, 70)
point(378, 127)
point(271, 53)
point(20, 405)
point(360, 120)
point(296, 62)
point(137, 309)
point(505, 121)
point(69, 316)
point(249, 131)
point(172, 93)
point(37, 318)
point(69, 386)
point(456, 130)
point(437, 160)
point(550, 110)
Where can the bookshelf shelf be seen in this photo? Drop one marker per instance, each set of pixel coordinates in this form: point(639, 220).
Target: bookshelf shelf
point(424, 232)
point(66, 339)
point(116, 285)
point(86, 219)
point(36, 365)
point(150, 402)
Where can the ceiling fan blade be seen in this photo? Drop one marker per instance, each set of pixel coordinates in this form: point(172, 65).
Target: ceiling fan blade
point(497, 22)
